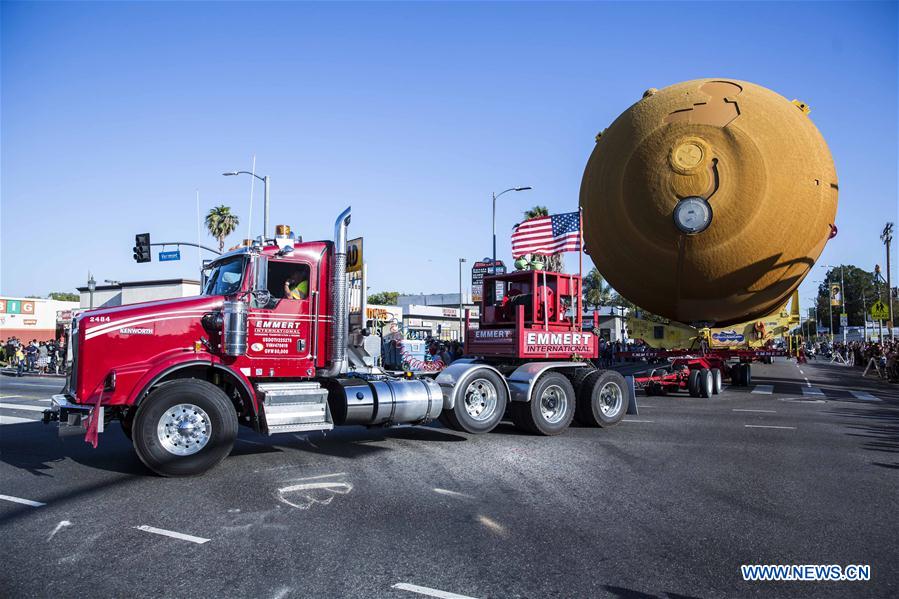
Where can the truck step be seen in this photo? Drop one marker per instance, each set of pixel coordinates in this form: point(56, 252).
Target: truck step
point(290, 407)
point(296, 428)
point(291, 393)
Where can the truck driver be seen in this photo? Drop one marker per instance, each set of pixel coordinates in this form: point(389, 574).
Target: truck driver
point(297, 285)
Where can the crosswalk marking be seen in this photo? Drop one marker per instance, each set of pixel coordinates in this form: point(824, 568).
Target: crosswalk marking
point(4, 419)
point(863, 395)
point(22, 406)
point(786, 428)
point(812, 391)
point(764, 389)
point(756, 411)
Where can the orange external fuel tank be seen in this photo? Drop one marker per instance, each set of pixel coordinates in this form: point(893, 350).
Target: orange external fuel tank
point(709, 201)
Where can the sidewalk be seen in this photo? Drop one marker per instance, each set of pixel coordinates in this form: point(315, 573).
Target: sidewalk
point(12, 372)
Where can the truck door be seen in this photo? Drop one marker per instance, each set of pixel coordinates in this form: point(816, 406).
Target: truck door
point(279, 342)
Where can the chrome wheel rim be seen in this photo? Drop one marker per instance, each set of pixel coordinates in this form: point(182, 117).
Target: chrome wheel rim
point(184, 429)
point(553, 404)
point(480, 399)
point(610, 399)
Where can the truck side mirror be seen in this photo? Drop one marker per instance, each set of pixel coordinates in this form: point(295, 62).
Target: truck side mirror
point(260, 273)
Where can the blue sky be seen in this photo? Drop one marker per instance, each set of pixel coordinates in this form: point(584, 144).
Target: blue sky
point(114, 114)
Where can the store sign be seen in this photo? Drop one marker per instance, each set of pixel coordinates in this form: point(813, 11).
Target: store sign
point(14, 306)
point(354, 255)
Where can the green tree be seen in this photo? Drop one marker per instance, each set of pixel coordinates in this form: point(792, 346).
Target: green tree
point(64, 296)
point(552, 262)
point(384, 298)
point(597, 291)
point(221, 222)
point(859, 293)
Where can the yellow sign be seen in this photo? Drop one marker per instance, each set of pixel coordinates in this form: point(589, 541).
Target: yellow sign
point(354, 255)
point(879, 311)
point(836, 294)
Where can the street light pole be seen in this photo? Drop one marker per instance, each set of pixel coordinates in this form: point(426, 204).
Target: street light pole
point(266, 180)
point(495, 196)
point(887, 237)
point(461, 302)
point(91, 287)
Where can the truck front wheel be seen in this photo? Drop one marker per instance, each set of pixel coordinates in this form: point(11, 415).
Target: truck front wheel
point(551, 407)
point(184, 428)
point(480, 405)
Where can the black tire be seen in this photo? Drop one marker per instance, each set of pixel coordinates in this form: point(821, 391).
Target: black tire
point(693, 383)
point(530, 416)
point(484, 385)
point(747, 374)
point(706, 383)
point(717, 380)
point(736, 375)
point(219, 415)
point(650, 391)
point(598, 390)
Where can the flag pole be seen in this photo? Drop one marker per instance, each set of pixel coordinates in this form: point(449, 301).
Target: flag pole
point(580, 268)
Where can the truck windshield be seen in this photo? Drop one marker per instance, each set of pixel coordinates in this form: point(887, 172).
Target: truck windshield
point(224, 277)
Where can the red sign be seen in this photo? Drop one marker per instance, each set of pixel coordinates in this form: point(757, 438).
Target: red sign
point(575, 343)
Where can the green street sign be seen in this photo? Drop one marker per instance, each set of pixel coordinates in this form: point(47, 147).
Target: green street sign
point(879, 311)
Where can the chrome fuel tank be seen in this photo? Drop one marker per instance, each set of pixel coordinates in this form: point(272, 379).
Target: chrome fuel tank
point(387, 401)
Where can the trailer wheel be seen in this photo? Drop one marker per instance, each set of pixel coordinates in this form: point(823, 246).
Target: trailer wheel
point(693, 383)
point(603, 399)
point(736, 375)
point(184, 428)
point(551, 408)
point(747, 374)
point(650, 391)
point(481, 404)
point(717, 380)
point(706, 383)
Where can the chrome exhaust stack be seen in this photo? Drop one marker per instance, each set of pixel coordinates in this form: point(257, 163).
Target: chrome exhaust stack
point(339, 300)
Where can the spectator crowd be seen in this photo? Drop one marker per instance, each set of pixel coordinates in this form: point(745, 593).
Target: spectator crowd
point(36, 357)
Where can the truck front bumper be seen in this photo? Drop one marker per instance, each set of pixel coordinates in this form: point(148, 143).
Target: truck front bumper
point(72, 417)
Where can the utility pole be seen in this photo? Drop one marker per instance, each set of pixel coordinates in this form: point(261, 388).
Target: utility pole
point(887, 237)
point(462, 330)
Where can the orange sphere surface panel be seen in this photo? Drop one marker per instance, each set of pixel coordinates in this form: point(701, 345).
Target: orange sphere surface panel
point(709, 201)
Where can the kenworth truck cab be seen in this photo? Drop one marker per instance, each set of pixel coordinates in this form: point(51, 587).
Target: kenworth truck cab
point(182, 374)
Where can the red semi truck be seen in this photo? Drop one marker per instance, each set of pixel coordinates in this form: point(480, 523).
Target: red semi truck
point(182, 374)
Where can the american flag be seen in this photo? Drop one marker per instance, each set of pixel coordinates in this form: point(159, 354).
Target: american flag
point(547, 235)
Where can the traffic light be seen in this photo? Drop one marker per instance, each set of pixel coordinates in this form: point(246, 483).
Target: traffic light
point(142, 247)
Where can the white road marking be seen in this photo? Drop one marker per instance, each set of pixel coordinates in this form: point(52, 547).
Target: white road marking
point(803, 401)
point(414, 588)
point(62, 524)
point(864, 396)
point(10, 396)
point(786, 428)
point(309, 494)
point(801, 372)
point(173, 534)
point(807, 384)
point(759, 411)
point(14, 420)
point(51, 386)
point(812, 391)
point(631, 420)
point(492, 525)
point(22, 406)
point(764, 389)
point(453, 493)
point(22, 501)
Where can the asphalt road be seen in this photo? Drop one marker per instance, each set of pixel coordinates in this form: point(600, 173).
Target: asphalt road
point(669, 503)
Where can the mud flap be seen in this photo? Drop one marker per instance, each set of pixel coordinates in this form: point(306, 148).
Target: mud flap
point(631, 397)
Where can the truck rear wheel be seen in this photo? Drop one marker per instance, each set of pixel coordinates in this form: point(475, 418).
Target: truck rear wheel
point(480, 405)
point(736, 375)
point(184, 428)
point(717, 382)
point(602, 399)
point(551, 408)
point(693, 383)
point(706, 383)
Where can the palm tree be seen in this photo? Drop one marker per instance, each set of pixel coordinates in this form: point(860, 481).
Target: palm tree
point(220, 223)
point(597, 291)
point(553, 262)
